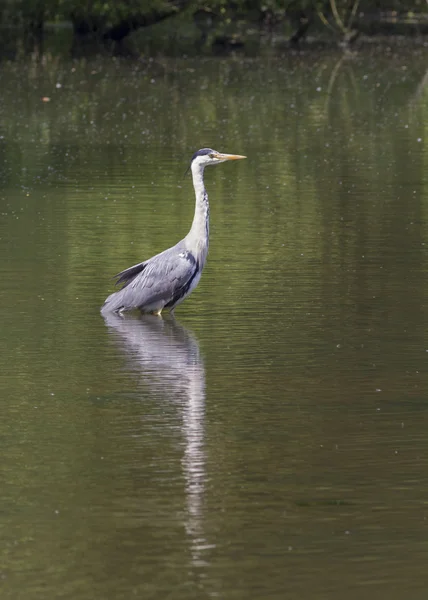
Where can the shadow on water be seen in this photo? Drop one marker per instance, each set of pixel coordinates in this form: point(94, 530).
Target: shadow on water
point(167, 356)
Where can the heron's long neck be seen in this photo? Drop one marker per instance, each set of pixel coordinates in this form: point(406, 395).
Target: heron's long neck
point(198, 235)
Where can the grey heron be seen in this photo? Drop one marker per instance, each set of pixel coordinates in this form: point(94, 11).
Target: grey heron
point(165, 280)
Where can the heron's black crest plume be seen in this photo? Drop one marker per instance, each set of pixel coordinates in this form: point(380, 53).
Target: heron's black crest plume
point(201, 152)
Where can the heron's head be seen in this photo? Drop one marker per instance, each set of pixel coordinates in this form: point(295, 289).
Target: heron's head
point(208, 156)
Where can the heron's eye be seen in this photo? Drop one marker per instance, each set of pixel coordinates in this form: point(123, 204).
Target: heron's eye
point(212, 155)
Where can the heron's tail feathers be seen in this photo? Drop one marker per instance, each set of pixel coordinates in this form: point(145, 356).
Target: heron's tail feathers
point(128, 275)
point(123, 299)
point(114, 303)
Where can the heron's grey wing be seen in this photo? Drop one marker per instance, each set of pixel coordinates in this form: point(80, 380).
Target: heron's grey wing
point(128, 274)
point(163, 279)
point(166, 277)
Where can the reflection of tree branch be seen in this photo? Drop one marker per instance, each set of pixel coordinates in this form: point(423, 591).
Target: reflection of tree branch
point(323, 19)
point(353, 81)
point(353, 13)
point(337, 17)
point(342, 25)
point(420, 88)
point(332, 80)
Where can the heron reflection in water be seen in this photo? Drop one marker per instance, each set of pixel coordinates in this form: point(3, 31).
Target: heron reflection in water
point(167, 356)
point(163, 281)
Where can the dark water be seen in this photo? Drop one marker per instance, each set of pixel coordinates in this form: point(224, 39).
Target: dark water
point(271, 441)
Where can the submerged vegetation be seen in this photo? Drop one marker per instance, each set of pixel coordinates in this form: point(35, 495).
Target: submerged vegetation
point(211, 23)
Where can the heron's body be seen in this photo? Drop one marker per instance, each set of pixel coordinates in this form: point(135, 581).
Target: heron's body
point(165, 280)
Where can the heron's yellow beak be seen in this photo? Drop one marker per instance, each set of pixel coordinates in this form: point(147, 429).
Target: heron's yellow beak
point(222, 156)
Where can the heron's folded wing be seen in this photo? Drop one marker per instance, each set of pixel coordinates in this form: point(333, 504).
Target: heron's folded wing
point(128, 275)
point(164, 277)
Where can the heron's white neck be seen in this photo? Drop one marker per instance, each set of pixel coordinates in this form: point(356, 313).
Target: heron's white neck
point(198, 236)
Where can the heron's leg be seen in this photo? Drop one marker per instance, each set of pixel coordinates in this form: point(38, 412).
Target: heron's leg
point(157, 312)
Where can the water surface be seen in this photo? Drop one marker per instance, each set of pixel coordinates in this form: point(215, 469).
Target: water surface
point(270, 441)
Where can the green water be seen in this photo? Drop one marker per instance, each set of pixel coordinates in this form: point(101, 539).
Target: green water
point(271, 441)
